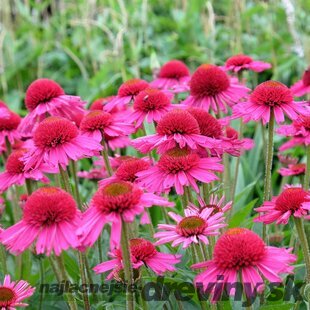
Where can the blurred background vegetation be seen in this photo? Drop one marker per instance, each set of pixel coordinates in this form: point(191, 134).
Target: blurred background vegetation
point(90, 46)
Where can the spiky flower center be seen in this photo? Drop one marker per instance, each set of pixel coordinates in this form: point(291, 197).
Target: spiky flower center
point(7, 296)
point(238, 248)
point(53, 132)
point(96, 120)
point(14, 164)
point(142, 249)
point(291, 199)
point(128, 169)
point(238, 60)
point(176, 160)
point(9, 122)
point(174, 69)
point(191, 226)
point(177, 122)
point(208, 80)
point(272, 94)
point(132, 87)
point(306, 77)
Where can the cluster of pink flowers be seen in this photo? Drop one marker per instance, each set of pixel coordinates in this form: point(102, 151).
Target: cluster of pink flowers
point(185, 143)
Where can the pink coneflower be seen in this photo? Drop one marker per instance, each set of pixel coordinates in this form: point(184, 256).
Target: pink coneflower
point(150, 105)
point(100, 103)
point(45, 97)
point(218, 205)
point(15, 172)
point(178, 168)
point(97, 123)
point(176, 128)
point(295, 169)
point(287, 160)
point(293, 201)
point(241, 62)
point(242, 253)
point(93, 174)
point(50, 217)
point(223, 141)
point(143, 253)
point(302, 87)
point(126, 93)
point(56, 141)
point(112, 203)
point(173, 75)
point(299, 130)
point(9, 122)
point(267, 96)
point(191, 228)
point(12, 294)
point(211, 87)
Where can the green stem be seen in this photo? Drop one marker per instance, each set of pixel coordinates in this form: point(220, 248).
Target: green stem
point(99, 247)
point(304, 245)
point(29, 186)
point(268, 167)
point(206, 192)
point(65, 180)
point(41, 283)
point(226, 176)
point(76, 184)
point(8, 147)
point(307, 173)
point(64, 277)
point(82, 259)
point(125, 245)
point(3, 260)
point(105, 156)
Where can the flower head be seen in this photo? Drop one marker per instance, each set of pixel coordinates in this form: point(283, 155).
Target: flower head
point(241, 252)
point(97, 123)
point(50, 217)
point(114, 202)
point(56, 141)
point(178, 168)
point(210, 87)
point(266, 97)
point(173, 75)
point(241, 62)
point(176, 128)
point(46, 97)
point(293, 169)
point(293, 201)
point(192, 228)
point(302, 87)
point(9, 122)
point(100, 103)
point(299, 130)
point(150, 105)
point(15, 172)
point(126, 93)
point(12, 294)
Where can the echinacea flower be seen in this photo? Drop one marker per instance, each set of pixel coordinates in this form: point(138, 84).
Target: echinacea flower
point(293, 201)
point(128, 169)
point(56, 141)
point(211, 88)
point(143, 253)
point(302, 87)
point(173, 75)
point(223, 140)
point(192, 228)
point(241, 62)
point(93, 174)
point(44, 97)
point(266, 97)
point(9, 122)
point(99, 104)
point(240, 252)
point(150, 105)
point(114, 202)
point(96, 124)
point(126, 93)
point(293, 169)
point(178, 168)
point(13, 293)
point(15, 172)
point(50, 219)
point(287, 160)
point(176, 128)
point(299, 130)
point(218, 205)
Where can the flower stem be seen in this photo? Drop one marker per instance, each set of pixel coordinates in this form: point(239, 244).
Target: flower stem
point(64, 277)
point(41, 282)
point(8, 146)
point(99, 247)
point(82, 259)
point(304, 245)
point(28, 186)
point(3, 259)
point(65, 180)
point(76, 184)
point(307, 173)
point(105, 156)
point(130, 300)
point(268, 166)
